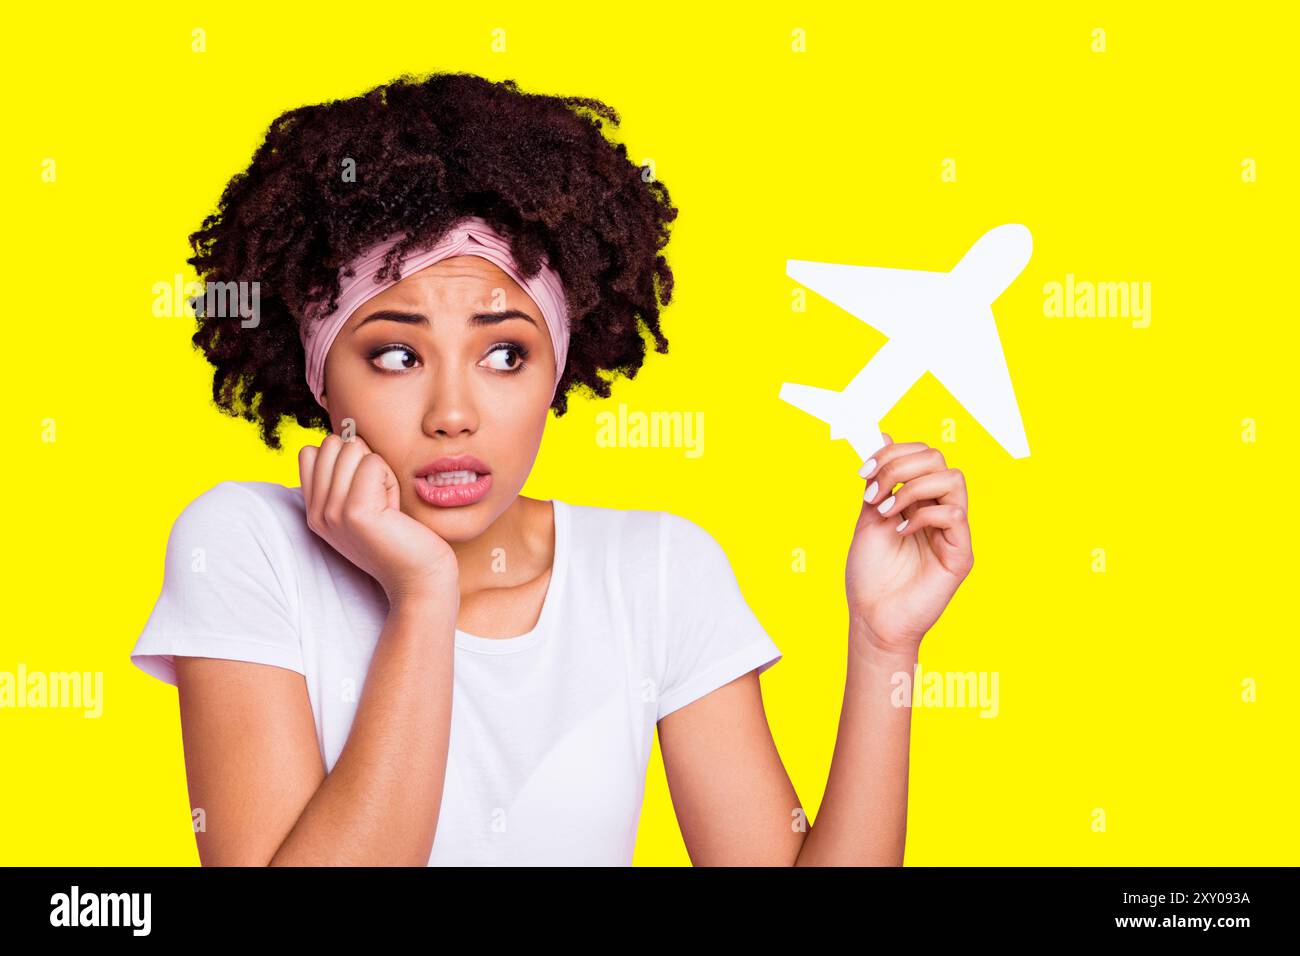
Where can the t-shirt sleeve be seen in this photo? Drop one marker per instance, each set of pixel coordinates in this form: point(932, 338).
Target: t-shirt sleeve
point(228, 589)
point(711, 634)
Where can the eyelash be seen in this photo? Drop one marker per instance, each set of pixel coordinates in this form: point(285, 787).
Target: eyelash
point(520, 350)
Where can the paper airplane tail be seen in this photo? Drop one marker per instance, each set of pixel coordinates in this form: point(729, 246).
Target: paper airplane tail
point(820, 402)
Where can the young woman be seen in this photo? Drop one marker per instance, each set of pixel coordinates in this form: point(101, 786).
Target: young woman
point(404, 660)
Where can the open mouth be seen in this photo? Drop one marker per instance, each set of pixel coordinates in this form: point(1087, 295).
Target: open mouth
point(453, 482)
point(442, 479)
point(439, 490)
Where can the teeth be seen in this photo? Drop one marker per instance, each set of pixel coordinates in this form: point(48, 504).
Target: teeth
point(441, 478)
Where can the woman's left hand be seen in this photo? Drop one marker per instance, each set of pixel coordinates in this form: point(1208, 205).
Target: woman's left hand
point(899, 582)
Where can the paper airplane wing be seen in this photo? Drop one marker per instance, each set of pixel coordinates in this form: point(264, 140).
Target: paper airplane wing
point(972, 367)
point(882, 298)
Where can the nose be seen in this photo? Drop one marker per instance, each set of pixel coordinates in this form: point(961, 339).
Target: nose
point(450, 408)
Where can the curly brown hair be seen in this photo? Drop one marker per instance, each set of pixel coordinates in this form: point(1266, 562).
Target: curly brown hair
point(427, 151)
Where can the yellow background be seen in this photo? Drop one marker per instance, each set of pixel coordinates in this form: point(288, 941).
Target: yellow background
point(1119, 690)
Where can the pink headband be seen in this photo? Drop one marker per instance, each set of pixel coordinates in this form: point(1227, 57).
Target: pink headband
point(472, 236)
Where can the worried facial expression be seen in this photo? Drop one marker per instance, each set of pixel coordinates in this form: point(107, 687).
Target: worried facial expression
point(453, 360)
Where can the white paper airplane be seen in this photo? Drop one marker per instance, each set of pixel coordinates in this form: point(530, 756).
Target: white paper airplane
point(940, 322)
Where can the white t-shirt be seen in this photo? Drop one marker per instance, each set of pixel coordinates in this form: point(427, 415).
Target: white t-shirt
point(551, 730)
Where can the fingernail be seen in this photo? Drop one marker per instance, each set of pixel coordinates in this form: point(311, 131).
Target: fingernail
point(871, 491)
point(867, 468)
point(902, 524)
point(886, 505)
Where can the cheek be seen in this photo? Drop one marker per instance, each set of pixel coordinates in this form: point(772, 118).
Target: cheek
point(377, 405)
point(385, 425)
point(523, 422)
point(516, 430)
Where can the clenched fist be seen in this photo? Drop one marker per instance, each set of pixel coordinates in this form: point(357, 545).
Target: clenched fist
point(353, 502)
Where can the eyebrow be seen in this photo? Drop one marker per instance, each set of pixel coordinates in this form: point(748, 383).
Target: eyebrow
point(419, 318)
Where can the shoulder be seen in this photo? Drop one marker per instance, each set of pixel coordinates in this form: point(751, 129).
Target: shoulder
point(686, 538)
point(258, 509)
point(638, 536)
point(235, 499)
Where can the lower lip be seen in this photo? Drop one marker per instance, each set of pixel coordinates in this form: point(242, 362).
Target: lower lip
point(453, 496)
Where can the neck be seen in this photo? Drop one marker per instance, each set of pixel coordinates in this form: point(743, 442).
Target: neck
point(514, 549)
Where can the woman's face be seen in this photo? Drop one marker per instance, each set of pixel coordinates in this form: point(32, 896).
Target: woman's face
point(452, 360)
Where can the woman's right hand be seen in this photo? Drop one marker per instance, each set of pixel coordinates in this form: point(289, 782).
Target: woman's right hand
point(353, 502)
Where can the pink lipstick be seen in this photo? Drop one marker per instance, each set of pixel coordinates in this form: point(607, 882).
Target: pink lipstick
point(453, 481)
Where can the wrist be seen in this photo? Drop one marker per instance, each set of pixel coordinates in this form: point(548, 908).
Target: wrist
point(873, 649)
point(424, 602)
point(887, 661)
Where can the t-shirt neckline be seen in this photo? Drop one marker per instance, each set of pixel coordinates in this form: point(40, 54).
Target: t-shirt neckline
point(559, 571)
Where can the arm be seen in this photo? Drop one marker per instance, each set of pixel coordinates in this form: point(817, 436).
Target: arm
point(253, 762)
point(734, 800)
point(863, 816)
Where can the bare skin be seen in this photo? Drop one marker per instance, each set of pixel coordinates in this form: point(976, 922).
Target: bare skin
point(445, 387)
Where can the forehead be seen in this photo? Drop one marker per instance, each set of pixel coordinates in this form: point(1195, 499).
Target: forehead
point(458, 285)
point(457, 277)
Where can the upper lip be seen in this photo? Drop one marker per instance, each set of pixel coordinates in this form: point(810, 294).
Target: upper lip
point(454, 463)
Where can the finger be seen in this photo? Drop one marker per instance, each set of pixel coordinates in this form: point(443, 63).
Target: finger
point(904, 468)
point(373, 482)
point(961, 501)
point(324, 473)
point(913, 508)
point(945, 487)
point(886, 453)
point(345, 466)
point(948, 520)
point(306, 464)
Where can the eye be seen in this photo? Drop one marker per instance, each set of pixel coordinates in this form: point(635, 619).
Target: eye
point(397, 364)
point(504, 349)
